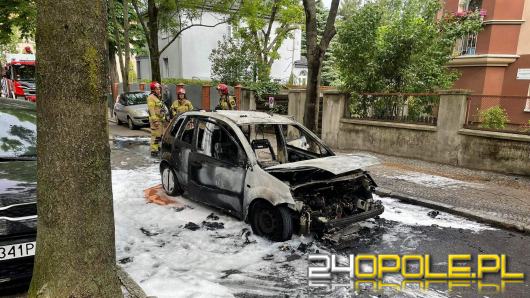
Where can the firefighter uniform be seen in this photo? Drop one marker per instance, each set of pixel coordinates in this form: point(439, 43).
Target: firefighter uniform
point(227, 103)
point(157, 120)
point(181, 106)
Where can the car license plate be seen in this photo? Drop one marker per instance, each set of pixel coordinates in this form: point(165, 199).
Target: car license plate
point(16, 251)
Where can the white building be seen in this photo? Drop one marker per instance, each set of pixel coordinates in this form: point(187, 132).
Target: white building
point(187, 57)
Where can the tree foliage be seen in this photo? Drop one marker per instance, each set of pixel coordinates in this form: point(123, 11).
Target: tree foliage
point(264, 26)
point(232, 62)
point(399, 46)
point(17, 16)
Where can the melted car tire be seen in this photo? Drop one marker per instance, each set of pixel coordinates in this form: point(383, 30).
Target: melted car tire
point(272, 222)
point(176, 186)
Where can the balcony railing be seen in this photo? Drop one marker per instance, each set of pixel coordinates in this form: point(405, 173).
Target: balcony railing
point(467, 45)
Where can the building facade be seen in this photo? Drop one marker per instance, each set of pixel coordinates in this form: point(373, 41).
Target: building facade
point(497, 60)
point(188, 56)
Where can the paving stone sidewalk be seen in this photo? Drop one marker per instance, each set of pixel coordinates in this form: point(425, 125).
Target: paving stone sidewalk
point(502, 200)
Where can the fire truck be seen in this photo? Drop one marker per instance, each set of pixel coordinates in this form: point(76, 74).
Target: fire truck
point(18, 77)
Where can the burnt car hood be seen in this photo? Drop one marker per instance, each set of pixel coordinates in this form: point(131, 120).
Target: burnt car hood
point(18, 207)
point(336, 165)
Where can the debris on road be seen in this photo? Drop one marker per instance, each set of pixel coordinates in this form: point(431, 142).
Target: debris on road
point(192, 226)
point(148, 233)
point(213, 225)
point(212, 216)
point(433, 213)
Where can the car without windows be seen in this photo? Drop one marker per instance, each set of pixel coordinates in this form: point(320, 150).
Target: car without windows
point(267, 170)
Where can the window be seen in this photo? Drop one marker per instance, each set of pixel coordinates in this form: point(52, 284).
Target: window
point(166, 66)
point(298, 139)
point(176, 127)
point(187, 133)
point(215, 141)
point(139, 69)
point(527, 108)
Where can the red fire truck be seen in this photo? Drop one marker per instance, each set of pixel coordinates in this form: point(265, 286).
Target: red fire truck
point(18, 77)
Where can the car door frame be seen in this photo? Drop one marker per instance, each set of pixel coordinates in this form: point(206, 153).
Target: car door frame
point(119, 109)
point(180, 151)
point(230, 199)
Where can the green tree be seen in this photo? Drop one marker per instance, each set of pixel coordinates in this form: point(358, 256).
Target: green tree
point(17, 16)
point(174, 17)
point(232, 62)
point(399, 46)
point(264, 26)
point(76, 254)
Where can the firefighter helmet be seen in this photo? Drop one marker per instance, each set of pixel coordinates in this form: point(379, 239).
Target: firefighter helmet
point(154, 85)
point(223, 88)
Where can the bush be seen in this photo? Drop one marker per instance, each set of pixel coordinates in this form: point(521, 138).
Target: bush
point(494, 118)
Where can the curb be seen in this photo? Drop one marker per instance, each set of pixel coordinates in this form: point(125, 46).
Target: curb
point(133, 289)
point(478, 216)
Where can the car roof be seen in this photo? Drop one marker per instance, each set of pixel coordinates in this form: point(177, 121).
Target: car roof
point(246, 117)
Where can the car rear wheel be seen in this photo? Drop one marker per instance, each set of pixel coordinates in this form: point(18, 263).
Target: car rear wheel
point(272, 222)
point(131, 124)
point(169, 181)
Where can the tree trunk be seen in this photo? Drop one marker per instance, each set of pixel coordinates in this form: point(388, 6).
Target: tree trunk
point(75, 254)
point(116, 35)
point(126, 45)
point(315, 56)
point(113, 68)
point(154, 53)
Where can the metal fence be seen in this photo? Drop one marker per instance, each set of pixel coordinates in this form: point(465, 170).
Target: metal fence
point(419, 108)
point(498, 113)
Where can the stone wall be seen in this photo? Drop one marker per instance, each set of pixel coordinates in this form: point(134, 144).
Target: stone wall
point(447, 143)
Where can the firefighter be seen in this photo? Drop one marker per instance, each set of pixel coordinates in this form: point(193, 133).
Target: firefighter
point(226, 102)
point(157, 116)
point(182, 104)
point(27, 50)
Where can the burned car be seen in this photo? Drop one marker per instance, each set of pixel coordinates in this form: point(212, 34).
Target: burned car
point(267, 170)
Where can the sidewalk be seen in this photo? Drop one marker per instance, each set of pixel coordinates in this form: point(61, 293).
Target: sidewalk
point(498, 199)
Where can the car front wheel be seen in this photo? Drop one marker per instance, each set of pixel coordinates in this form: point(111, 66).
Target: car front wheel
point(169, 181)
point(131, 124)
point(272, 222)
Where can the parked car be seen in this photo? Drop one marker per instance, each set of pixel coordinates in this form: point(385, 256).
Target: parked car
point(18, 209)
point(131, 108)
point(267, 170)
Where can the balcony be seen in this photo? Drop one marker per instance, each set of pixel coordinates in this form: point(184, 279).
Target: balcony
point(467, 45)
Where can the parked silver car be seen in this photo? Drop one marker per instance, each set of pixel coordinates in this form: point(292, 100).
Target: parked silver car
point(267, 170)
point(131, 108)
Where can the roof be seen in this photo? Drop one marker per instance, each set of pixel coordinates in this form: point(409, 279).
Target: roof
point(247, 117)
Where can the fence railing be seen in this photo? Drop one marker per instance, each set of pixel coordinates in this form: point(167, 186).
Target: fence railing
point(498, 113)
point(420, 108)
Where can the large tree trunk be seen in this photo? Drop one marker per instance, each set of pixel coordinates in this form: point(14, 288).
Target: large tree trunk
point(312, 96)
point(127, 45)
point(154, 53)
point(75, 254)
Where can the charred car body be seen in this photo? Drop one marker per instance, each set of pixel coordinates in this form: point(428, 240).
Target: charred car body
point(267, 170)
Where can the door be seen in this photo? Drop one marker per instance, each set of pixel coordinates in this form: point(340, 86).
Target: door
point(182, 147)
point(119, 109)
point(216, 170)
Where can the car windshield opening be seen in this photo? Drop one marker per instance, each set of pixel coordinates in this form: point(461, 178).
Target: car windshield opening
point(281, 143)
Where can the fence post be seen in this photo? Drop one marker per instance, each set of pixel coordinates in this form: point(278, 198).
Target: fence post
point(142, 86)
point(296, 105)
point(451, 118)
point(332, 111)
point(205, 97)
point(237, 93)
